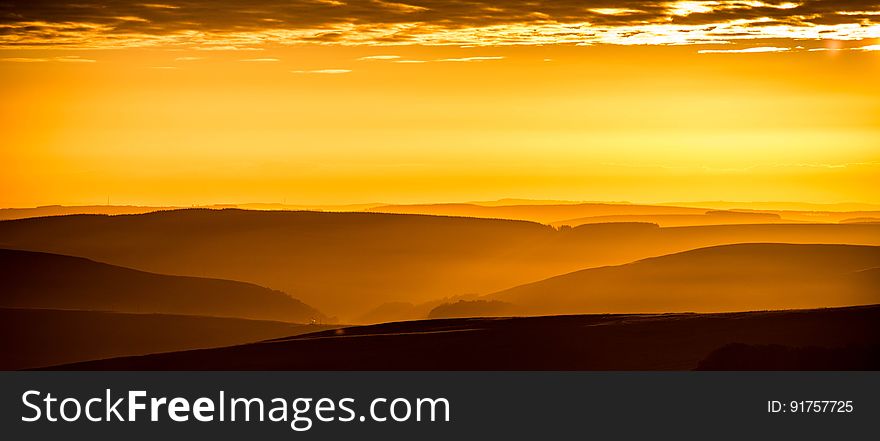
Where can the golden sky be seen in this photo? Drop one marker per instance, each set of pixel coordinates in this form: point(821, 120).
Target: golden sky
point(324, 101)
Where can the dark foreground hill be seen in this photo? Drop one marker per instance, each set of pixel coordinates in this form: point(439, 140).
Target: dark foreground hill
point(346, 264)
point(42, 280)
point(584, 342)
point(43, 337)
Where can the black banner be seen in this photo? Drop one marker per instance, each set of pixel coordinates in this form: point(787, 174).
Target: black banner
point(439, 405)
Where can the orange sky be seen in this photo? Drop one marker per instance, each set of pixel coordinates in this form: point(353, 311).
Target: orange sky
point(170, 110)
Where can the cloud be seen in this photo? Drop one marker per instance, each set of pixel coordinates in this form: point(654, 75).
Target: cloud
point(405, 8)
point(226, 48)
point(242, 25)
point(188, 59)
point(614, 11)
point(379, 57)
point(396, 59)
point(322, 71)
point(25, 60)
point(260, 60)
point(869, 48)
point(748, 50)
point(65, 59)
point(74, 59)
point(469, 59)
point(159, 6)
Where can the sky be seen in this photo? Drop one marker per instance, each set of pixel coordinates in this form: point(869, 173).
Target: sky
point(325, 101)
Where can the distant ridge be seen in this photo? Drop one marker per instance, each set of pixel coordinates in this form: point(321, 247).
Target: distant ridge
point(112, 210)
point(544, 213)
point(63, 210)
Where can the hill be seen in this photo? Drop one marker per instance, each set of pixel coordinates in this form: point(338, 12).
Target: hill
point(721, 278)
point(544, 213)
point(473, 308)
point(43, 337)
point(682, 220)
point(585, 342)
point(63, 210)
point(682, 214)
point(347, 264)
point(42, 280)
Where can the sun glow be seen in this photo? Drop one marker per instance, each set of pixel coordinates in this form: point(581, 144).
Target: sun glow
point(648, 102)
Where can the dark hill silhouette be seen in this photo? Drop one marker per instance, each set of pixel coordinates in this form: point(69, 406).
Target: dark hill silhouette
point(544, 213)
point(722, 278)
point(678, 214)
point(472, 308)
point(861, 220)
point(781, 205)
point(399, 311)
point(346, 264)
point(585, 342)
point(41, 280)
point(43, 337)
point(681, 220)
point(63, 210)
point(743, 357)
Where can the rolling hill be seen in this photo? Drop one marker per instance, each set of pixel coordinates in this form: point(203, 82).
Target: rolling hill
point(585, 342)
point(346, 264)
point(713, 217)
point(677, 214)
point(543, 213)
point(63, 210)
point(42, 337)
point(42, 280)
point(722, 278)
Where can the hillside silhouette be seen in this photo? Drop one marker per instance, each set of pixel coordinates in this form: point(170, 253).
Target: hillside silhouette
point(543, 213)
point(682, 220)
point(679, 214)
point(63, 210)
point(583, 342)
point(473, 308)
point(548, 212)
point(347, 264)
point(743, 357)
point(44, 337)
point(42, 280)
point(722, 278)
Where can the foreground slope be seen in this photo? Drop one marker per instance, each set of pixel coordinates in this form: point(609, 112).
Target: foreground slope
point(737, 277)
point(346, 264)
point(43, 337)
point(585, 342)
point(42, 280)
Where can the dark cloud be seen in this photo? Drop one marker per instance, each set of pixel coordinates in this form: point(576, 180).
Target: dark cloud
point(33, 22)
